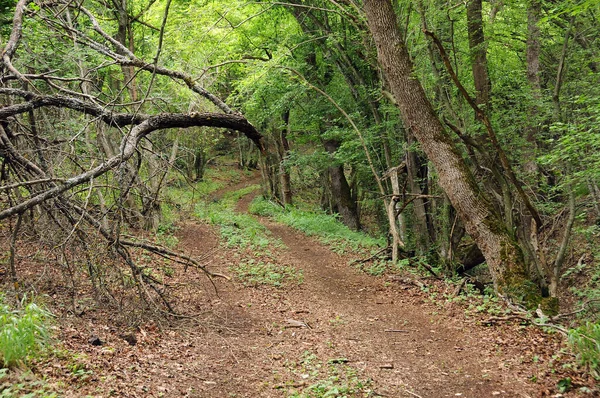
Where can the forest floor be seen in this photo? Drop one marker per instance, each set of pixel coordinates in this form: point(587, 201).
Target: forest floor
point(340, 332)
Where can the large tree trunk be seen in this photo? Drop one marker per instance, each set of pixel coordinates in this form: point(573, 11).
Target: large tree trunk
point(503, 255)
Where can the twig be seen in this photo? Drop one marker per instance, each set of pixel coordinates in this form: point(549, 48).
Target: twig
point(460, 287)
point(412, 393)
point(583, 308)
point(560, 329)
point(494, 319)
point(431, 271)
point(366, 260)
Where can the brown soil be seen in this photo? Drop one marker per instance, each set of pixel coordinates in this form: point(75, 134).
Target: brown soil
point(273, 342)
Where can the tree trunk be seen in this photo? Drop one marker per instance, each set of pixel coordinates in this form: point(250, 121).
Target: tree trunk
point(341, 192)
point(413, 163)
point(478, 52)
point(534, 11)
point(284, 149)
point(503, 255)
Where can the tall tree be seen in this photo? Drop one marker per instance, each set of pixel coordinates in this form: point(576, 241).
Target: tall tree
point(504, 256)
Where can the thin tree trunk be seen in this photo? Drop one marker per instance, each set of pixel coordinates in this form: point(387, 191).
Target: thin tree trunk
point(13, 249)
point(534, 10)
point(284, 149)
point(423, 240)
point(341, 191)
point(478, 53)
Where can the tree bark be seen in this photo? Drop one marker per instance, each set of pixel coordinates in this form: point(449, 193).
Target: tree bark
point(413, 164)
point(534, 10)
point(341, 191)
point(478, 52)
point(284, 149)
point(503, 255)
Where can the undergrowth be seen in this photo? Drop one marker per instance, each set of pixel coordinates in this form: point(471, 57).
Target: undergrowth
point(252, 273)
point(237, 230)
point(586, 342)
point(23, 385)
point(327, 228)
point(331, 379)
point(254, 263)
point(24, 332)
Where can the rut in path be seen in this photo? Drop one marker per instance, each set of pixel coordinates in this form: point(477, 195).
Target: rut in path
point(383, 329)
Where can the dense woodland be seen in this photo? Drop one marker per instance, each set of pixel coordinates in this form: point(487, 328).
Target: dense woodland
point(466, 134)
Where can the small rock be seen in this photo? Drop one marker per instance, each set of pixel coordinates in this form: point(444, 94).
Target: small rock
point(95, 340)
point(130, 338)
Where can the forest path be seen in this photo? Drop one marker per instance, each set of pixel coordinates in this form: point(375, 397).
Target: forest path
point(382, 329)
point(339, 330)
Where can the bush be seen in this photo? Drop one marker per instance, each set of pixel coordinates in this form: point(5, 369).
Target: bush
point(585, 340)
point(23, 332)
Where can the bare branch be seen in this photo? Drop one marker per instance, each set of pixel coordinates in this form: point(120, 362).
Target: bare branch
point(129, 146)
point(14, 39)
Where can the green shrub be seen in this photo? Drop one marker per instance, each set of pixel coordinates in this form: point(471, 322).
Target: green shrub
point(585, 340)
point(266, 208)
point(23, 332)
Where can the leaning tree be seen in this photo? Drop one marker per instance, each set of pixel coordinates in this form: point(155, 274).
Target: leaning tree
point(80, 106)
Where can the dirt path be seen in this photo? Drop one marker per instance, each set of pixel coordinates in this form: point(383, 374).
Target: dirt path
point(339, 327)
point(382, 329)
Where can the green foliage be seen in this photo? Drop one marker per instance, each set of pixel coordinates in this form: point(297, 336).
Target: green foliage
point(237, 229)
point(266, 208)
point(326, 227)
point(249, 239)
point(378, 267)
point(23, 332)
point(23, 385)
point(6, 13)
point(330, 379)
point(588, 270)
point(254, 273)
point(564, 385)
point(183, 194)
point(576, 140)
point(585, 340)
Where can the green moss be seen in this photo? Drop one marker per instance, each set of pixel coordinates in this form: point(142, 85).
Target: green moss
point(549, 305)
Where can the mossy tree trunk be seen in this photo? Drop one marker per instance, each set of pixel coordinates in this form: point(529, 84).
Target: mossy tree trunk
point(503, 254)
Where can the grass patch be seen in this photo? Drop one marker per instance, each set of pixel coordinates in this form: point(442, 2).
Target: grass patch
point(23, 385)
point(327, 379)
point(326, 227)
point(183, 196)
point(237, 230)
point(250, 240)
point(24, 332)
point(253, 273)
